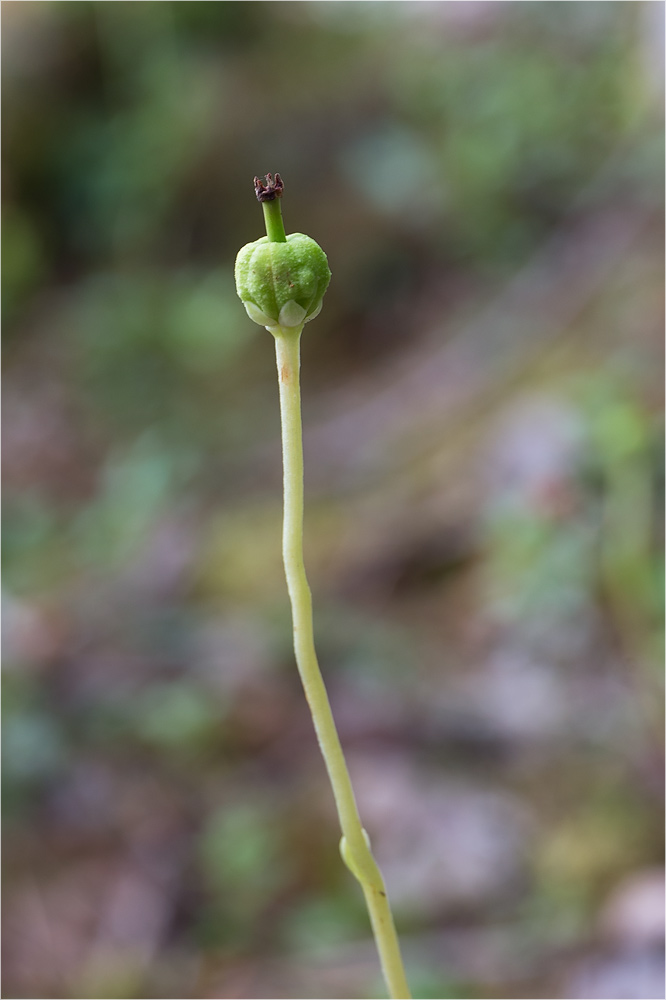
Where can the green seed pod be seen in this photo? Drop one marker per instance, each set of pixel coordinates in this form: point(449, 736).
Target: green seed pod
point(282, 284)
point(280, 279)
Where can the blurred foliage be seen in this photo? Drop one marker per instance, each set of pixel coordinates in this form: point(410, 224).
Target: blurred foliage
point(483, 530)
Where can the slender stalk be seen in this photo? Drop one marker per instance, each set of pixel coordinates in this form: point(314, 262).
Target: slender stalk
point(354, 844)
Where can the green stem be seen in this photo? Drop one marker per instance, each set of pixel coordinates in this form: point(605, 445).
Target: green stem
point(273, 219)
point(354, 845)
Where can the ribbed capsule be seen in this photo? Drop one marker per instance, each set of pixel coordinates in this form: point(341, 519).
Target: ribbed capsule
point(282, 284)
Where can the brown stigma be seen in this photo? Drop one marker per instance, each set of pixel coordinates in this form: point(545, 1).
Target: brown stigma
point(269, 191)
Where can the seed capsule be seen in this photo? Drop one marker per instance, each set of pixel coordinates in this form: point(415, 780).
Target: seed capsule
point(282, 284)
point(280, 279)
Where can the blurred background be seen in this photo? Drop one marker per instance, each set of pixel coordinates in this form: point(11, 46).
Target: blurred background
point(482, 401)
